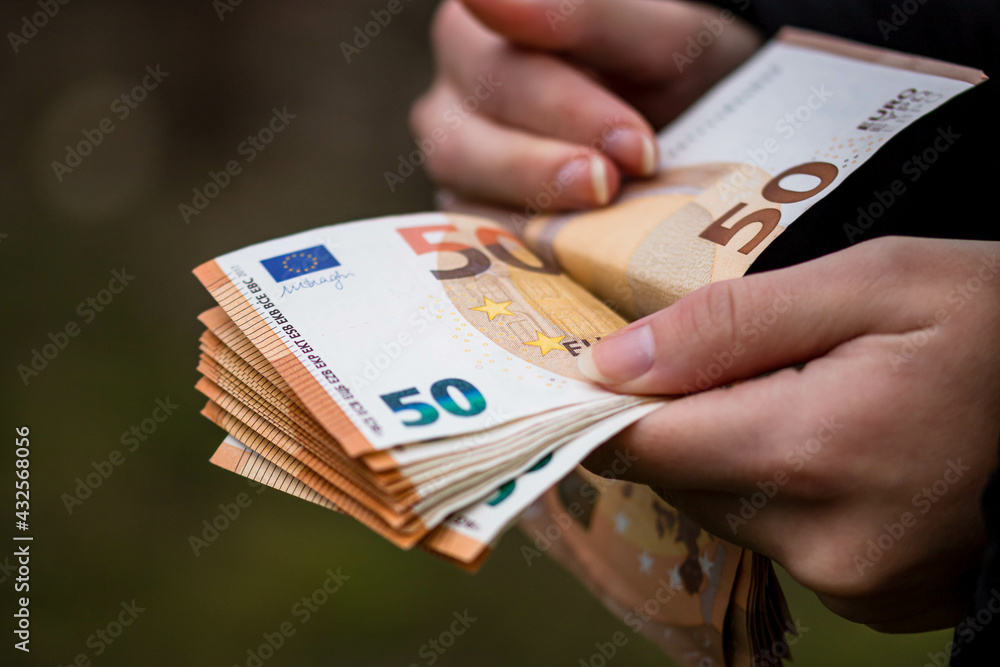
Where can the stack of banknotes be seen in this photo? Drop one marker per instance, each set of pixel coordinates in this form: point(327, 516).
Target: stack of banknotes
point(418, 373)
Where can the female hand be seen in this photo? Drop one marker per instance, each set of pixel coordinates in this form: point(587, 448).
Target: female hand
point(860, 472)
point(536, 93)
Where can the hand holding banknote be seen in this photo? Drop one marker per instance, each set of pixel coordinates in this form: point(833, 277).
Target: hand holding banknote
point(901, 386)
point(888, 432)
point(420, 373)
point(565, 97)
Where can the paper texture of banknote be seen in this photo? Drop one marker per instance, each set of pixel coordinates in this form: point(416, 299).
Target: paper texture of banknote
point(418, 373)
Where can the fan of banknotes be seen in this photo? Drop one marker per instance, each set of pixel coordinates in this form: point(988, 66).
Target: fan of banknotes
point(418, 373)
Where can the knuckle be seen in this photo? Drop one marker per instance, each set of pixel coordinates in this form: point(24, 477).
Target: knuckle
point(896, 256)
point(707, 317)
point(818, 481)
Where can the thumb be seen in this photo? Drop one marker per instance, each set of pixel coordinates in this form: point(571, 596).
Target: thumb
point(740, 328)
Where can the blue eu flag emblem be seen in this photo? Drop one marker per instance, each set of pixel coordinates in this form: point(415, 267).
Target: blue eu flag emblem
point(299, 263)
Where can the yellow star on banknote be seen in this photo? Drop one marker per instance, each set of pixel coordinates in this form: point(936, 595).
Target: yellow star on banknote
point(494, 309)
point(547, 344)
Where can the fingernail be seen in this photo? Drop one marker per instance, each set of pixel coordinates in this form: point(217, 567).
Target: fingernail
point(619, 359)
point(634, 150)
point(573, 178)
point(649, 164)
point(599, 181)
point(585, 182)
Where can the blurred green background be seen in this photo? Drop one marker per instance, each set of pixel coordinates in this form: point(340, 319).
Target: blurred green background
point(60, 238)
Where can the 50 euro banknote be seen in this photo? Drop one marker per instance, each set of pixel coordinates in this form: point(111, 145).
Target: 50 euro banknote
point(747, 160)
point(738, 167)
point(418, 372)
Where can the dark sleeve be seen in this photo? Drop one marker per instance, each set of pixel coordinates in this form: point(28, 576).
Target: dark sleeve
point(977, 635)
point(944, 190)
point(959, 31)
